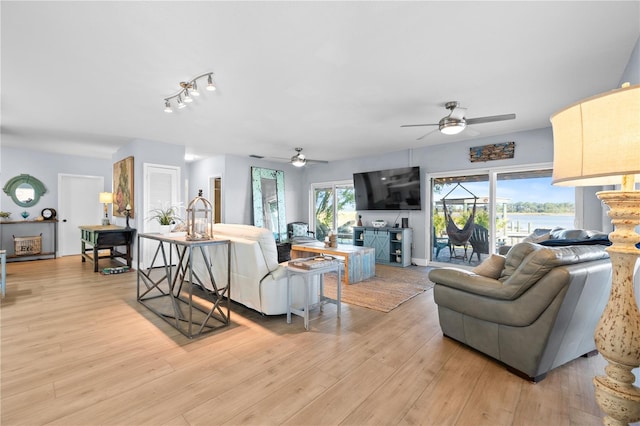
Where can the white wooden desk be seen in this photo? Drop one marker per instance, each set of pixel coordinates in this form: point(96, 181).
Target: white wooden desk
point(306, 275)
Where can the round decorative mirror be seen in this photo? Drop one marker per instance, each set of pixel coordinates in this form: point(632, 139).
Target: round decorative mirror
point(24, 190)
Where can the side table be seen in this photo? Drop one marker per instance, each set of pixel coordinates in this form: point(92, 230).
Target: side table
point(109, 237)
point(172, 286)
point(306, 275)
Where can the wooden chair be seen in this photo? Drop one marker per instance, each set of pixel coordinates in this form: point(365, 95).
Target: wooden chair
point(479, 241)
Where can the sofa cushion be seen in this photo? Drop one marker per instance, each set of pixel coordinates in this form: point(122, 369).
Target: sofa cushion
point(262, 236)
point(540, 260)
point(514, 258)
point(491, 267)
point(574, 234)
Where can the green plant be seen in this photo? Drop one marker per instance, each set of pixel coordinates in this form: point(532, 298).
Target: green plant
point(5, 214)
point(165, 216)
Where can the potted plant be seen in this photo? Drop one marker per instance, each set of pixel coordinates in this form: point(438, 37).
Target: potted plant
point(166, 217)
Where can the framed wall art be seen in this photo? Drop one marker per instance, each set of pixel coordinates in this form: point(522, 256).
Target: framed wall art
point(123, 187)
point(498, 151)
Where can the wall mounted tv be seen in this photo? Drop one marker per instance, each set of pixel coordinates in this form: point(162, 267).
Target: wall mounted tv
point(393, 189)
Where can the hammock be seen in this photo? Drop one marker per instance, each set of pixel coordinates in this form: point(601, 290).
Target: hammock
point(457, 236)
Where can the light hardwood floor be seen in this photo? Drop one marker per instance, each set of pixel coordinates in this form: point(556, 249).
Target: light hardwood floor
point(77, 349)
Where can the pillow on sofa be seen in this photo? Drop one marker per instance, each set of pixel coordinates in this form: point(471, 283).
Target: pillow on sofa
point(491, 267)
point(538, 235)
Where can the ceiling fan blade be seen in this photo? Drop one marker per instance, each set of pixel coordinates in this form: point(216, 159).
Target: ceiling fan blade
point(491, 118)
point(419, 125)
point(425, 135)
point(458, 113)
point(317, 161)
point(471, 132)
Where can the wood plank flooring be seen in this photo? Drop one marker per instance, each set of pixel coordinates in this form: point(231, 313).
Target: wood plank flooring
point(77, 349)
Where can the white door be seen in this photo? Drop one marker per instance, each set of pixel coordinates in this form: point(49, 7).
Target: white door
point(78, 205)
point(161, 190)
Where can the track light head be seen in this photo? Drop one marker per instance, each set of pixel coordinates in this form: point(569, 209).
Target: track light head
point(187, 97)
point(210, 86)
point(194, 89)
point(167, 106)
point(180, 103)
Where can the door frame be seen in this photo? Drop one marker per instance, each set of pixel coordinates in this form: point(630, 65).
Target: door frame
point(75, 200)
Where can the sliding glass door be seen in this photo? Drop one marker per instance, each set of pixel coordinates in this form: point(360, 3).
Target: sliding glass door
point(474, 215)
point(460, 218)
point(334, 210)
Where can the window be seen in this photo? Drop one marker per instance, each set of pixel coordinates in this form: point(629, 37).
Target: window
point(334, 210)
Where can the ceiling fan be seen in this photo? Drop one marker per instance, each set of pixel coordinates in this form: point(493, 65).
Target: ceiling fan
point(298, 160)
point(456, 122)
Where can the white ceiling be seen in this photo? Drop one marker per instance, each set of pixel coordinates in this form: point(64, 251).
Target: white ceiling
point(336, 78)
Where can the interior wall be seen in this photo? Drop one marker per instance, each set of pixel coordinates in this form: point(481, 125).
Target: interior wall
point(237, 197)
point(46, 166)
point(152, 152)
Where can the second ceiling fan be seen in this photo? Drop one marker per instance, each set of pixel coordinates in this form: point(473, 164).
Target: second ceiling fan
point(456, 122)
point(298, 160)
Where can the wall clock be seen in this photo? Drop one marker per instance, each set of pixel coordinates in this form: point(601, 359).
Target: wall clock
point(48, 213)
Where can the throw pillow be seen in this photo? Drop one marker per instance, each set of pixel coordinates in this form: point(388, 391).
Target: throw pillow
point(300, 230)
point(491, 267)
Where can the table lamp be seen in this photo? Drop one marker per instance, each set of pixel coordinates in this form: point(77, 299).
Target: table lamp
point(597, 142)
point(106, 198)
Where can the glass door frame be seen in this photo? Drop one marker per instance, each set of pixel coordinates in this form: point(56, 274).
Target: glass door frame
point(493, 173)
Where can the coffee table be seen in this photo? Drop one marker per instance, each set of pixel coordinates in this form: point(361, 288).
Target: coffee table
point(359, 262)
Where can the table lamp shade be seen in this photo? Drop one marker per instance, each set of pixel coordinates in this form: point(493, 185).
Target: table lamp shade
point(106, 197)
point(597, 140)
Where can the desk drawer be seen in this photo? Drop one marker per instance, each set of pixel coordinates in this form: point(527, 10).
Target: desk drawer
point(113, 239)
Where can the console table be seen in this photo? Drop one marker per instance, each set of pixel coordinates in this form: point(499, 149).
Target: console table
point(165, 290)
point(101, 237)
point(48, 229)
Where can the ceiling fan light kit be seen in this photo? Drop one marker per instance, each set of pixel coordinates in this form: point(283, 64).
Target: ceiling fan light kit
point(456, 121)
point(298, 160)
point(452, 126)
point(188, 89)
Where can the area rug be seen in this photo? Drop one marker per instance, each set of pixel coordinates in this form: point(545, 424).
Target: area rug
point(390, 287)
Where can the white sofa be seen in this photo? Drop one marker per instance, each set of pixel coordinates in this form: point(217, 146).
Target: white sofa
point(258, 281)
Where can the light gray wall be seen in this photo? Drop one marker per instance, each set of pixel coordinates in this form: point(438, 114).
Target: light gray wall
point(150, 152)
point(46, 166)
point(534, 146)
point(237, 201)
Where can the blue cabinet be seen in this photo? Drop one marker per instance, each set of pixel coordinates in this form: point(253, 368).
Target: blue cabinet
point(392, 245)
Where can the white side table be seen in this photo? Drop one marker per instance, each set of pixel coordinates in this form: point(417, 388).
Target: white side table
point(307, 275)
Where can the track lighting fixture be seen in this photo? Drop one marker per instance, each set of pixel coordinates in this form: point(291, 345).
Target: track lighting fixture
point(188, 90)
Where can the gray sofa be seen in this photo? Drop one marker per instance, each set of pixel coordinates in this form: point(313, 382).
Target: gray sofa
point(538, 312)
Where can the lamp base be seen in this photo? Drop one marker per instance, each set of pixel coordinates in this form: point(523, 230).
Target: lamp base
point(105, 221)
point(617, 335)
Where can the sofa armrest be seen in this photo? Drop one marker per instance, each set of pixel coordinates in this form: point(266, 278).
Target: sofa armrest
point(467, 281)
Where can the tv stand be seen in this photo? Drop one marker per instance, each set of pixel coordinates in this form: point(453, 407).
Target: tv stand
point(392, 245)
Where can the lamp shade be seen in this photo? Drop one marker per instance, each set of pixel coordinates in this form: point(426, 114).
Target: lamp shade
point(597, 141)
point(106, 197)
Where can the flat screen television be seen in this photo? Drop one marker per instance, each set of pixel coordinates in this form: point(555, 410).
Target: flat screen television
point(393, 189)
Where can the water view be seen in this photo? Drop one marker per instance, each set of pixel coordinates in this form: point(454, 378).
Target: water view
point(529, 222)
